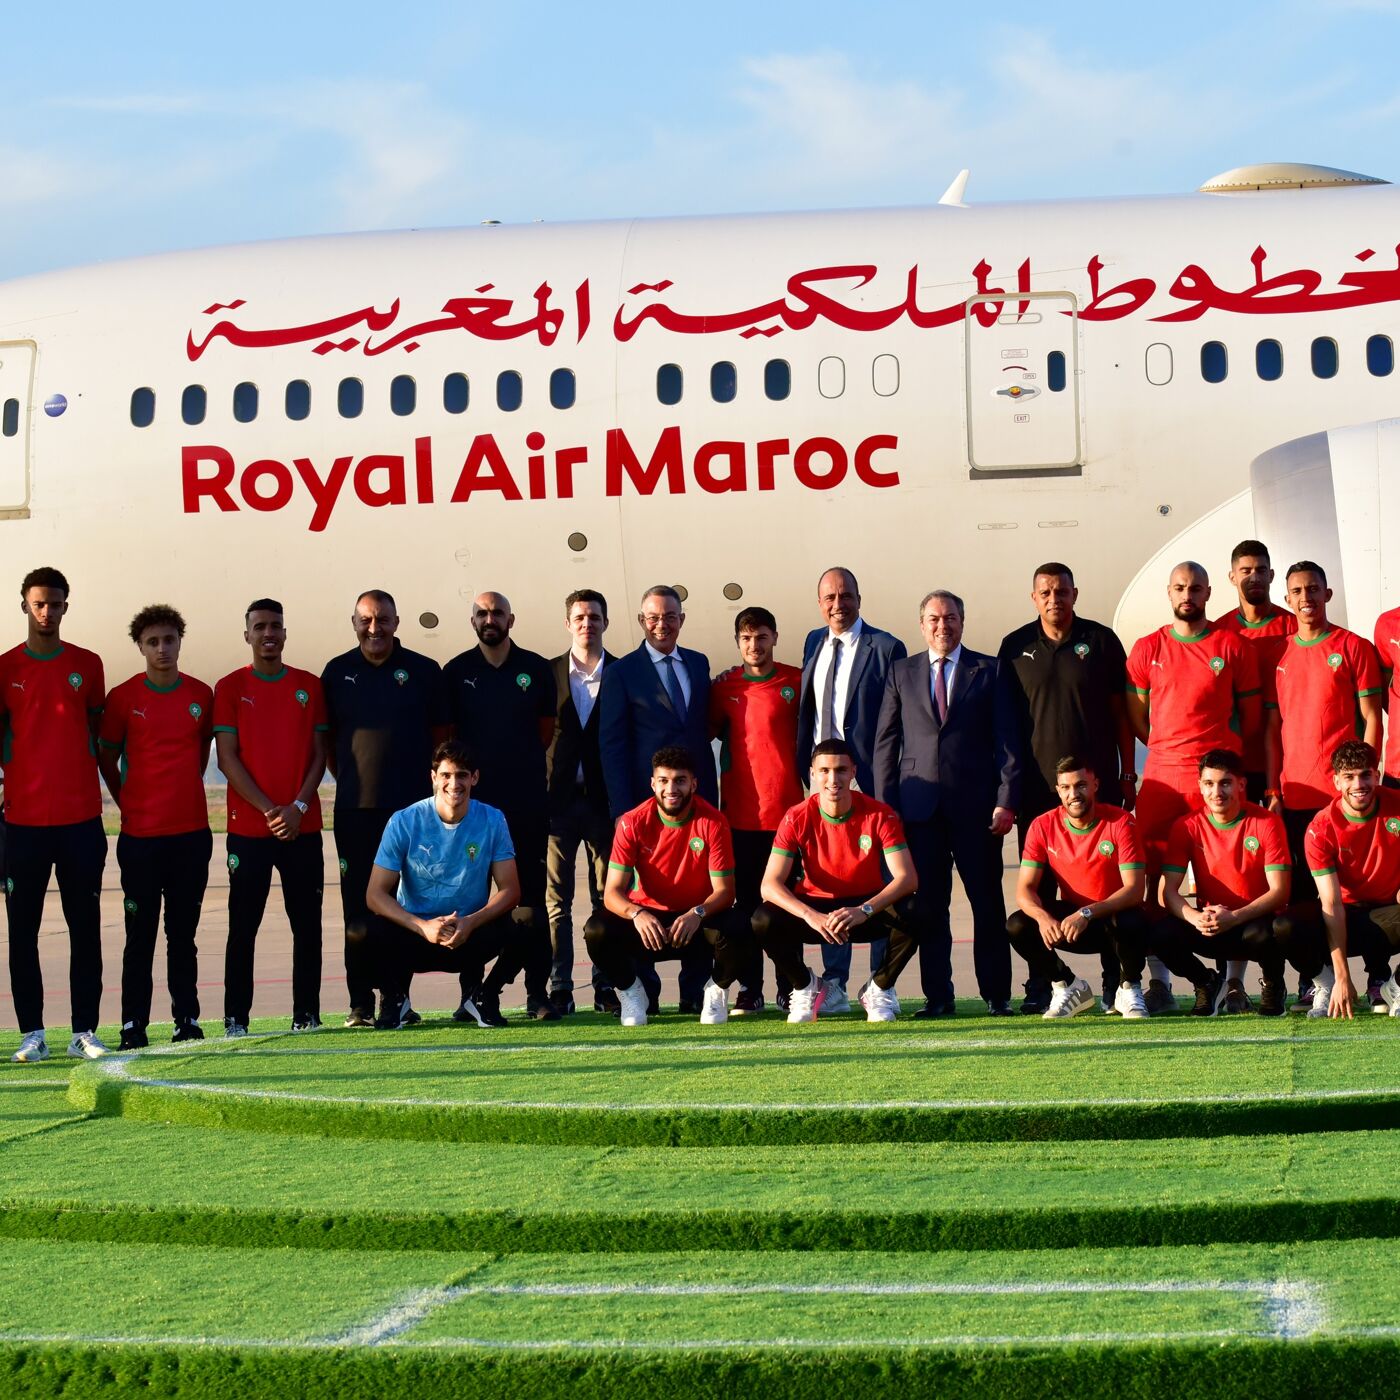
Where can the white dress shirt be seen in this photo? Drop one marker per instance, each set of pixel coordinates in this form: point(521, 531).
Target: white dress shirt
point(658, 660)
point(849, 642)
point(583, 691)
point(950, 669)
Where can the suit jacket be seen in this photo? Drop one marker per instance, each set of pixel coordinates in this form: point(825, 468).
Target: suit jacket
point(636, 718)
point(876, 653)
point(965, 766)
point(574, 743)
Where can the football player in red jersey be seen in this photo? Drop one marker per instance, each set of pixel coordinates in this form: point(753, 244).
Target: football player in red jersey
point(1387, 640)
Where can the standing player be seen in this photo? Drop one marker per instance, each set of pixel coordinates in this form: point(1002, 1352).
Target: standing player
point(845, 842)
point(153, 749)
point(503, 704)
point(51, 696)
point(270, 733)
point(386, 708)
point(753, 712)
point(1388, 648)
point(1191, 687)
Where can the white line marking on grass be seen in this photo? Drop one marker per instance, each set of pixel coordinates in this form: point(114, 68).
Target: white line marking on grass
point(871, 1290)
point(404, 1315)
point(1294, 1308)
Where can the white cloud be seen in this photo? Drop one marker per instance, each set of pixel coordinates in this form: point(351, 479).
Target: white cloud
point(37, 177)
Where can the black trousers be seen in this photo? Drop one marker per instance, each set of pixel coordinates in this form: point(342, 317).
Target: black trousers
point(358, 832)
point(1119, 939)
point(575, 821)
point(172, 871)
point(251, 861)
point(937, 846)
point(1373, 935)
point(615, 945)
point(1296, 821)
point(76, 853)
point(782, 936)
point(397, 953)
point(751, 852)
point(1267, 941)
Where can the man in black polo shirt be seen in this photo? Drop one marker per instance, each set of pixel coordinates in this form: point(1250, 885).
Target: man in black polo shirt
point(502, 700)
point(387, 708)
point(1068, 677)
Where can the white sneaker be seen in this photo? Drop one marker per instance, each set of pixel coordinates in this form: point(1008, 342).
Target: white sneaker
point(1322, 993)
point(715, 1011)
point(837, 999)
point(880, 1003)
point(86, 1046)
point(1069, 999)
point(805, 1003)
point(633, 1001)
point(234, 1030)
point(1128, 1002)
point(32, 1049)
point(1390, 994)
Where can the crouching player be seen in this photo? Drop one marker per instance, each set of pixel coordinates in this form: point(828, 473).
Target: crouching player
point(670, 878)
point(845, 842)
point(1091, 849)
point(431, 886)
point(1239, 853)
point(1353, 849)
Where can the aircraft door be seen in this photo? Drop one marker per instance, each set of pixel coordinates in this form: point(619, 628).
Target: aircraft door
point(1022, 360)
point(16, 383)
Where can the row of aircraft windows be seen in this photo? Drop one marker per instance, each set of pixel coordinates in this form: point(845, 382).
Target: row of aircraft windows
point(1323, 353)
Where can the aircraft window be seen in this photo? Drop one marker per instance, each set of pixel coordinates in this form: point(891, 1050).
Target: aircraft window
point(509, 393)
point(403, 395)
point(831, 377)
point(1324, 357)
point(194, 402)
point(724, 381)
point(1158, 364)
point(884, 375)
point(1055, 371)
point(1268, 359)
point(298, 400)
point(455, 393)
point(669, 383)
point(245, 402)
point(562, 389)
point(1215, 362)
point(143, 407)
point(777, 379)
point(350, 398)
point(1380, 355)
point(9, 419)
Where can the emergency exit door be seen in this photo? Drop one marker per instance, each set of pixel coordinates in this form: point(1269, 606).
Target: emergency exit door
point(1022, 382)
point(16, 385)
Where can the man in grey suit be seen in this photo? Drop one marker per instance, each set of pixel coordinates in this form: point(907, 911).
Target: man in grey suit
point(844, 668)
point(946, 759)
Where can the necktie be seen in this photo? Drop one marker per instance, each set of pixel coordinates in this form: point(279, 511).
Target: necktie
point(940, 688)
point(828, 726)
point(673, 685)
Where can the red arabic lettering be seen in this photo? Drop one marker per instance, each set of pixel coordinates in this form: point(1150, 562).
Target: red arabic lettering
point(1137, 291)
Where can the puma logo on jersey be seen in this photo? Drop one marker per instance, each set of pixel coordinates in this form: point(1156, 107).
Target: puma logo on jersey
point(1157, 664)
point(17, 685)
point(138, 714)
point(467, 680)
point(351, 679)
point(427, 850)
point(246, 699)
point(1030, 654)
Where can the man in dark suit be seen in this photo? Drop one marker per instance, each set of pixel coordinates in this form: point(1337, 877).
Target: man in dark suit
point(946, 759)
point(844, 668)
point(578, 796)
point(656, 697)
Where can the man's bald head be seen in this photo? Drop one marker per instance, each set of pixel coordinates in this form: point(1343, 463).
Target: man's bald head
point(492, 618)
point(1188, 589)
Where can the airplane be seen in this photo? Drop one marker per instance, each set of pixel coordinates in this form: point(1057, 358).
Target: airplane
point(941, 396)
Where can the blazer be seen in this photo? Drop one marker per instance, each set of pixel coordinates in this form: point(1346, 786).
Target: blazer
point(636, 718)
point(574, 743)
point(877, 651)
point(964, 767)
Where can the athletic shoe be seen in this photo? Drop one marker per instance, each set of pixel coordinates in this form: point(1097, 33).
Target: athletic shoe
point(748, 1003)
point(1375, 1000)
point(715, 1012)
point(1159, 999)
point(632, 1002)
point(1128, 1002)
point(837, 998)
point(1305, 1000)
point(1069, 999)
point(1389, 992)
point(1210, 995)
point(1237, 1002)
point(392, 1010)
point(234, 1030)
point(1037, 998)
point(412, 1018)
point(86, 1046)
point(1322, 993)
point(999, 1007)
point(1271, 998)
point(186, 1030)
point(783, 1000)
point(133, 1037)
point(488, 1008)
point(544, 1011)
point(359, 1020)
point(32, 1049)
point(467, 1010)
point(562, 1002)
point(1108, 1001)
point(936, 1011)
point(605, 1002)
point(880, 1003)
point(805, 1003)
point(306, 1023)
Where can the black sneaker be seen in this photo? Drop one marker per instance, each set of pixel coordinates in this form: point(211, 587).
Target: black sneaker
point(306, 1023)
point(782, 1000)
point(1210, 994)
point(545, 1011)
point(747, 1003)
point(133, 1038)
point(605, 1001)
point(186, 1030)
point(1271, 998)
point(562, 1002)
point(1237, 1002)
point(393, 1007)
point(488, 1007)
point(359, 1020)
point(1037, 999)
point(412, 1018)
point(686, 1008)
point(1159, 999)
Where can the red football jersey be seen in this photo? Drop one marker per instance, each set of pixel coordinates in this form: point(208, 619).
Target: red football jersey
point(1362, 852)
point(1087, 861)
point(672, 862)
point(160, 733)
point(756, 718)
point(1388, 646)
point(275, 718)
point(1194, 687)
point(840, 855)
point(1230, 862)
point(1319, 683)
point(49, 758)
point(1268, 638)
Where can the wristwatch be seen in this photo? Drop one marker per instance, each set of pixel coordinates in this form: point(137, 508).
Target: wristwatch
point(699, 911)
point(302, 807)
point(1087, 913)
point(868, 910)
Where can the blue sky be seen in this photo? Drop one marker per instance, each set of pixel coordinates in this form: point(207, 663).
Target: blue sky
point(139, 129)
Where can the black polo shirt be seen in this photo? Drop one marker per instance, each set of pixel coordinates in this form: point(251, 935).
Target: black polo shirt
point(497, 710)
point(382, 720)
point(1064, 693)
